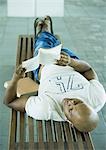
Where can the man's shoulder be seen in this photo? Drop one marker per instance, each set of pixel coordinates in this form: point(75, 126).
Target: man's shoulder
point(97, 94)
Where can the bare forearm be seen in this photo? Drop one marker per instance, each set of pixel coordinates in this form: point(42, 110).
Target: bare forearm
point(84, 68)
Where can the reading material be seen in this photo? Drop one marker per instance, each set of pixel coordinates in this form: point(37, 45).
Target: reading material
point(45, 56)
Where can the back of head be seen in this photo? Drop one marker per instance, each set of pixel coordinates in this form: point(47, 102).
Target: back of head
point(87, 119)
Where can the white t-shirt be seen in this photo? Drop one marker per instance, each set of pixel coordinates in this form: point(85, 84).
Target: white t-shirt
point(57, 83)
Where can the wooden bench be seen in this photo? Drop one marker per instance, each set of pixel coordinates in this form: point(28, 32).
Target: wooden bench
point(29, 134)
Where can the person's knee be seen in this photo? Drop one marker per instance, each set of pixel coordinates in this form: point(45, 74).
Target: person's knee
point(18, 104)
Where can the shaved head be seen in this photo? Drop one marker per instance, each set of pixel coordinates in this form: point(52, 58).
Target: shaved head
point(87, 119)
point(81, 115)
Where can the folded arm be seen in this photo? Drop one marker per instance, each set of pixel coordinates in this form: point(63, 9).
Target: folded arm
point(84, 68)
point(10, 98)
point(80, 66)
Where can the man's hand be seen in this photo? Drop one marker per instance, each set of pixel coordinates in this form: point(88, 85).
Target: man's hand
point(65, 60)
point(79, 65)
point(19, 73)
point(11, 91)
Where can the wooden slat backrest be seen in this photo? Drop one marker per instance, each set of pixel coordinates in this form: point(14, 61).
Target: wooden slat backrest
point(51, 135)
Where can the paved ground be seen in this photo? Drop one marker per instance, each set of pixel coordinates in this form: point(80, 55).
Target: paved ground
point(83, 29)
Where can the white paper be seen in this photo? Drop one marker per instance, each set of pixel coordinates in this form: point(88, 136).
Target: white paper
point(49, 56)
point(45, 56)
point(30, 64)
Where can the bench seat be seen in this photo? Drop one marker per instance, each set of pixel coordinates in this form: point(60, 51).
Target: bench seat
point(28, 134)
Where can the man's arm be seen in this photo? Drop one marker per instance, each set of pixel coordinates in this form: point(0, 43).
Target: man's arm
point(80, 66)
point(84, 68)
point(10, 98)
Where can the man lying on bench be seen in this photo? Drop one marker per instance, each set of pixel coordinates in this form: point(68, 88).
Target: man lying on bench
point(69, 89)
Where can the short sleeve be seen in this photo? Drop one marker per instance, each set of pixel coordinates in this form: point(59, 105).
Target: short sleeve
point(37, 108)
point(97, 95)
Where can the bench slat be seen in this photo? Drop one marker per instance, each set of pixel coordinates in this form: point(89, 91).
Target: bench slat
point(49, 136)
point(29, 43)
point(19, 49)
point(80, 141)
point(58, 133)
point(13, 130)
point(22, 57)
point(21, 138)
point(67, 135)
point(88, 141)
point(31, 133)
point(41, 144)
